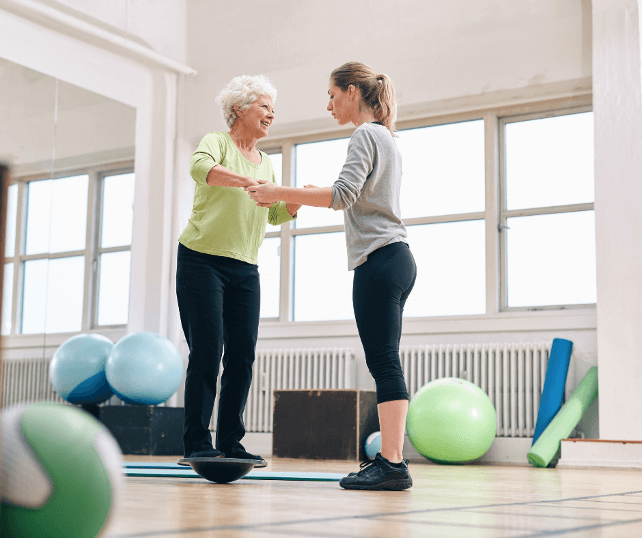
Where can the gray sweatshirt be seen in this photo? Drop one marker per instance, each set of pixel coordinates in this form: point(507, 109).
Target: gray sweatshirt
point(368, 190)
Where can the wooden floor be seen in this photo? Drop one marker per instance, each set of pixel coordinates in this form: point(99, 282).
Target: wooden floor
point(445, 501)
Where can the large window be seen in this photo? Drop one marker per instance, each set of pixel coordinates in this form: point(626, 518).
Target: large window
point(548, 216)
point(442, 204)
point(68, 252)
point(322, 284)
point(498, 209)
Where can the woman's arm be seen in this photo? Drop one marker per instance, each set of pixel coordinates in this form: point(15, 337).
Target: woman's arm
point(292, 208)
point(219, 176)
point(266, 192)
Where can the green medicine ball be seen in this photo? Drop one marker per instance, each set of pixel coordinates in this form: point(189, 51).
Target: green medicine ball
point(61, 472)
point(451, 420)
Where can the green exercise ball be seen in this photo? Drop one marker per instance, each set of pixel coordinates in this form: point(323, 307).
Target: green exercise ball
point(61, 473)
point(451, 420)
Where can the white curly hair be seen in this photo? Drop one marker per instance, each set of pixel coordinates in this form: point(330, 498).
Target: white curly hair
point(243, 91)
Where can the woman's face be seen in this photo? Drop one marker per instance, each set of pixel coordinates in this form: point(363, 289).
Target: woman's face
point(341, 103)
point(258, 117)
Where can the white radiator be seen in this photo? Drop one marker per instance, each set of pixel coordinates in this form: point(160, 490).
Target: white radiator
point(27, 381)
point(511, 374)
point(331, 368)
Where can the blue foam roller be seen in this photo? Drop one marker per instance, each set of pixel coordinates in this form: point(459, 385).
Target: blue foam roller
point(554, 384)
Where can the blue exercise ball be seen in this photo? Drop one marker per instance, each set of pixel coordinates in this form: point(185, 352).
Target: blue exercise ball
point(144, 369)
point(373, 445)
point(451, 420)
point(77, 369)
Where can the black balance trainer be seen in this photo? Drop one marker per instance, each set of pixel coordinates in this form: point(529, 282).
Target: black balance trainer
point(221, 470)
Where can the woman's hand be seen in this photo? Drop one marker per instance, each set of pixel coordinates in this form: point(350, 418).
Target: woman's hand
point(265, 192)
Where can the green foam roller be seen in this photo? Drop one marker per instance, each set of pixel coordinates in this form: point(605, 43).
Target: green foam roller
point(544, 450)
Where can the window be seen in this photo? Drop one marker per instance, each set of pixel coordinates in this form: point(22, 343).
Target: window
point(319, 164)
point(443, 169)
point(270, 270)
point(71, 234)
point(322, 284)
point(9, 253)
point(499, 214)
point(269, 258)
point(442, 204)
point(451, 267)
point(548, 216)
point(114, 258)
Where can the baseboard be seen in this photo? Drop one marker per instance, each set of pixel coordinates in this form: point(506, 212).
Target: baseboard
point(601, 453)
point(257, 443)
point(504, 450)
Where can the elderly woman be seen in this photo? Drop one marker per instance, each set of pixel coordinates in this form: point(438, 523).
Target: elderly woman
point(217, 277)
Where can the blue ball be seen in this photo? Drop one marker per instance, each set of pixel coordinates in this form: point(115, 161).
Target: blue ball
point(144, 369)
point(373, 445)
point(77, 369)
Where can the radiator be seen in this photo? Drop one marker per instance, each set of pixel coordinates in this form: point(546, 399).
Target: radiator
point(27, 381)
point(511, 374)
point(321, 368)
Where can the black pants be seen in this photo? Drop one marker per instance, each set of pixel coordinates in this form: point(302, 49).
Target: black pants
point(219, 302)
point(379, 292)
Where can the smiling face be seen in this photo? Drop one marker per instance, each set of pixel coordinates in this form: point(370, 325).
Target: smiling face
point(258, 117)
point(342, 104)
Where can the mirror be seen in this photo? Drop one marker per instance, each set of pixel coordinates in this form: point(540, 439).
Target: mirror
point(69, 212)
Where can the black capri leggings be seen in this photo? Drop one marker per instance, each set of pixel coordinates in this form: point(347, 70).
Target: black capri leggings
point(379, 292)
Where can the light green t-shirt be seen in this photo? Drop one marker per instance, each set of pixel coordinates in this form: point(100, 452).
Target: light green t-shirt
point(225, 221)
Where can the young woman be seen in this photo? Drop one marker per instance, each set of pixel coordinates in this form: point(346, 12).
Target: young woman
point(384, 269)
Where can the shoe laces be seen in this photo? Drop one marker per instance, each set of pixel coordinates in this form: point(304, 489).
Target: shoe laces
point(365, 466)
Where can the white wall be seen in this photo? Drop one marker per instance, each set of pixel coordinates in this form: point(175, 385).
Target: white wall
point(160, 24)
point(432, 50)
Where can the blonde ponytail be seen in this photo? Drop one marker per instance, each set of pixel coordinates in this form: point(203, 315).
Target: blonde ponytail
point(377, 91)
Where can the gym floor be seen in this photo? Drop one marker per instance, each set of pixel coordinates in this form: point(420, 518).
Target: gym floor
point(445, 501)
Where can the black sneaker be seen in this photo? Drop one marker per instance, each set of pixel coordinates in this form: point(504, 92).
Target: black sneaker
point(379, 474)
point(242, 454)
point(208, 453)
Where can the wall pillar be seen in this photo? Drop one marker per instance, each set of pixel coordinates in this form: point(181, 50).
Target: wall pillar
point(617, 105)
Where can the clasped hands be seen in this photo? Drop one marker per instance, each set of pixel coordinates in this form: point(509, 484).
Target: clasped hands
point(265, 193)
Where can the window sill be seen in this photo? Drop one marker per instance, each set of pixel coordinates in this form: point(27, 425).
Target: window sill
point(582, 319)
point(30, 342)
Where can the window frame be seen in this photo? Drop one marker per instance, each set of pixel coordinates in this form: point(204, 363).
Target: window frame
point(505, 214)
point(494, 215)
point(91, 251)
